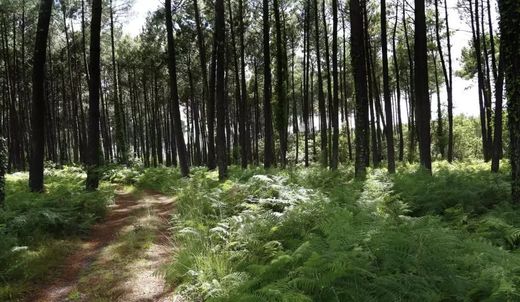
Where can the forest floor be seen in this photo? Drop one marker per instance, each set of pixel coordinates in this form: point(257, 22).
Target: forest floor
point(121, 259)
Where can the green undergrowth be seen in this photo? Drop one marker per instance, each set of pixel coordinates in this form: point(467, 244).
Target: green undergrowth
point(309, 234)
point(38, 230)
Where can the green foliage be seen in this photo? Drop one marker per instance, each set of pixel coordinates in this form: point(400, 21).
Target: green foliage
point(35, 228)
point(315, 235)
point(467, 185)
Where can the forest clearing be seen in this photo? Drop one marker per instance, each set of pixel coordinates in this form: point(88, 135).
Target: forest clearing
point(259, 150)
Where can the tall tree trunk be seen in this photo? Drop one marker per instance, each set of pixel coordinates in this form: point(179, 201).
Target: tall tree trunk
point(281, 91)
point(93, 156)
point(449, 88)
point(257, 115)
point(498, 75)
point(220, 39)
point(510, 37)
point(335, 99)
point(245, 147)
point(205, 89)
point(294, 108)
point(329, 81)
point(212, 163)
point(482, 91)
point(174, 96)
point(306, 60)
point(397, 86)
point(118, 114)
point(422, 98)
point(321, 97)
point(346, 90)
point(440, 126)
point(268, 115)
point(386, 91)
point(440, 132)
point(411, 90)
point(38, 98)
point(360, 80)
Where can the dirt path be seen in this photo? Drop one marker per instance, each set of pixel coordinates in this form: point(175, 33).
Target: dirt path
point(122, 258)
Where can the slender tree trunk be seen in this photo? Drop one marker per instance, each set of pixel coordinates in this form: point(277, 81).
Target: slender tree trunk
point(281, 91)
point(475, 26)
point(268, 119)
point(306, 60)
point(38, 99)
point(335, 99)
point(386, 91)
point(321, 96)
point(398, 87)
point(422, 98)
point(346, 90)
point(93, 156)
point(329, 82)
point(212, 163)
point(174, 96)
point(360, 75)
point(118, 115)
point(205, 88)
point(499, 94)
point(245, 147)
point(294, 108)
point(440, 131)
point(449, 88)
point(411, 90)
point(220, 39)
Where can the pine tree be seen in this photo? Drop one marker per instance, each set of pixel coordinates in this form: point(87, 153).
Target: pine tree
point(93, 156)
point(386, 92)
point(422, 97)
point(174, 96)
point(268, 115)
point(39, 100)
point(510, 38)
point(360, 82)
point(220, 39)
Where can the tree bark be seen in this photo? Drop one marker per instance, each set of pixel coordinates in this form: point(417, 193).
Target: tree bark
point(38, 98)
point(93, 156)
point(268, 115)
point(281, 91)
point(335, 99)
point(321, 96)
point(220, 39)
point(360, 76)
point(422, 98)
point(174, 96)
point(510, 37)
point(386, 91)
